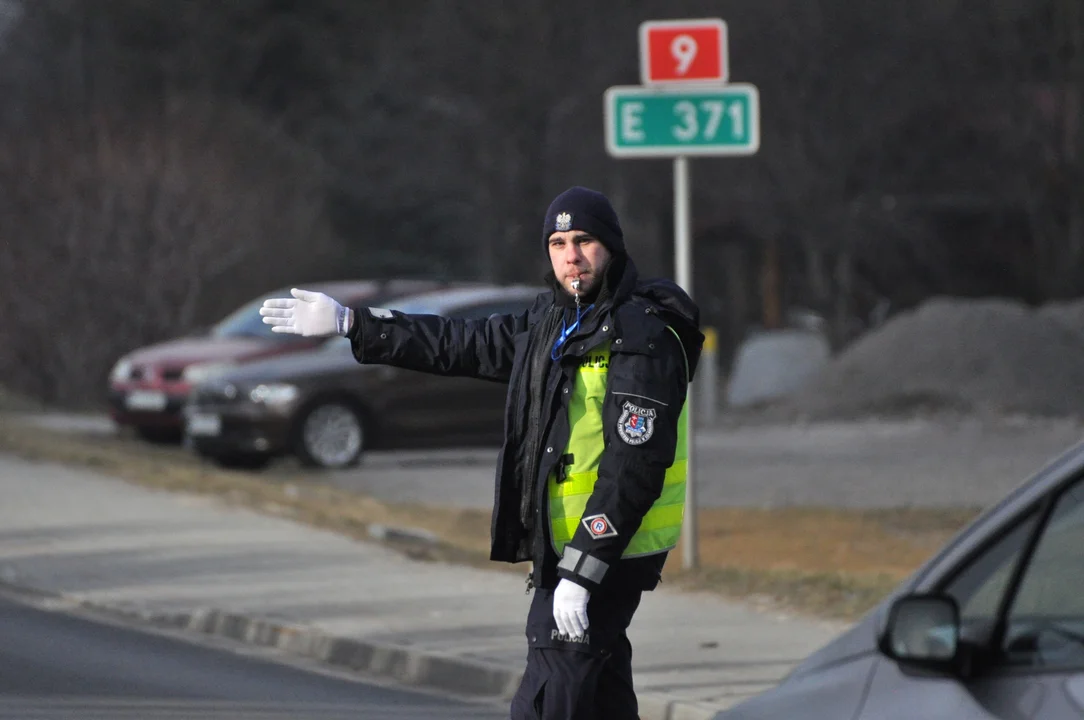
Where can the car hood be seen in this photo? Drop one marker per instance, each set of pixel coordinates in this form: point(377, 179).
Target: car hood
point(813, 677)
point(185, 351)
point(859, 639)
point(292, 366)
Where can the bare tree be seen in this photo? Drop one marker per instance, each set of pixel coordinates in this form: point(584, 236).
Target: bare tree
point(499, 98)
point(843, 80)
point(139, 203)
point(118, 229)
point(1040, 49)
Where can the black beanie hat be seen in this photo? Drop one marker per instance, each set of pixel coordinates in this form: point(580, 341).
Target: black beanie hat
point(579, 208)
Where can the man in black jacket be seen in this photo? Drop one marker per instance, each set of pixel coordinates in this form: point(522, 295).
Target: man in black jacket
point(590, 480)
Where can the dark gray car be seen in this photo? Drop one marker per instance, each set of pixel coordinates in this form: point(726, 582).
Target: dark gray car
point(991, 627)
point(326, 409)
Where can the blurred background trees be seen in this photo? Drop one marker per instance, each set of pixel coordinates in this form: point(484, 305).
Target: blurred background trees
point(163, 161)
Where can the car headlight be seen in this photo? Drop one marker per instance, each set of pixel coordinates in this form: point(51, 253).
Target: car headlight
point(198, 372)
point(274, 394)
point(121, 371)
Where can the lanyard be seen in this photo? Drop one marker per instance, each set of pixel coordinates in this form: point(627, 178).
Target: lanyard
point(566, 331)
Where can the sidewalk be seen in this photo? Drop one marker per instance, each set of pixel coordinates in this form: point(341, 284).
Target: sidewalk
point(192, 562)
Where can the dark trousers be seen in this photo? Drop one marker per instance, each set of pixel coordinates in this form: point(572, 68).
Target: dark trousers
point(579, 680)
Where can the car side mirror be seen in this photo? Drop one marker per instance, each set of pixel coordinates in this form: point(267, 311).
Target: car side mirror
point(923, 630)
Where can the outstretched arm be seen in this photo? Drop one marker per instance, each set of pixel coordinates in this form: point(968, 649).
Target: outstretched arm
point(428, 343)
point(479, 348)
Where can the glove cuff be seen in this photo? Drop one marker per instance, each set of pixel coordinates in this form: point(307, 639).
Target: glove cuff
point(581, 568)
point(342, 320)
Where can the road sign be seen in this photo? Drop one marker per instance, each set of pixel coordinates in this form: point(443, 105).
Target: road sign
point(683, 51)
point(649, 122)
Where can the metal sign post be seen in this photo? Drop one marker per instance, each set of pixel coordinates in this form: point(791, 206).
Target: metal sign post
point(683, 271)
point(685, 107)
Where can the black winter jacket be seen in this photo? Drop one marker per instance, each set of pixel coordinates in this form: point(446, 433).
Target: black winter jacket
point(648, 367)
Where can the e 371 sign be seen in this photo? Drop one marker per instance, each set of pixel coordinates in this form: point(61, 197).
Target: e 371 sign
point(683, 51)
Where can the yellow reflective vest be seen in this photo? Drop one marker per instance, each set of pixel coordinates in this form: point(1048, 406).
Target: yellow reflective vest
point(568, 493)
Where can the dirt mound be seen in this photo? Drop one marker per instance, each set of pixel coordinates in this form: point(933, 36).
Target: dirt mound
point(959, 355)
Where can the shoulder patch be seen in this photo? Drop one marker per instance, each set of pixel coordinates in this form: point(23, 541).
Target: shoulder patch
point(636, 424)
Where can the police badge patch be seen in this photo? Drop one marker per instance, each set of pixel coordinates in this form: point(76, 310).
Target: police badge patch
point(636, 424)
point(564, 222)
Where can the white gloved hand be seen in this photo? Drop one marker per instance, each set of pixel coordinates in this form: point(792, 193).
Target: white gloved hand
point(570, 608)
point(311, 314)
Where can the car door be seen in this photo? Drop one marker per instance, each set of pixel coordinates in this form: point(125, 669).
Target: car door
point(1021, 603)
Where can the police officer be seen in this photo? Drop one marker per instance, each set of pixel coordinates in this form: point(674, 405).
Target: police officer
point(590, 482)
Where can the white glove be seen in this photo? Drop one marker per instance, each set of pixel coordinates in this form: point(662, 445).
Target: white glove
point(570, 608)
point(312, 314)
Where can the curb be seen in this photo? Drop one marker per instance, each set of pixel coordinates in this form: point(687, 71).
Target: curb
point(408, 666)
point(404, 665)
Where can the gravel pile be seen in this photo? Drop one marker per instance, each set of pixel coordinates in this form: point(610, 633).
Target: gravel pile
point(957, 355)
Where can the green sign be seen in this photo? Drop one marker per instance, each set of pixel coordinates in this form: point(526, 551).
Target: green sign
point(651, 122)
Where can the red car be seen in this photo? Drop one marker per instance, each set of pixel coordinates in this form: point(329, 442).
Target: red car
point(149, 386)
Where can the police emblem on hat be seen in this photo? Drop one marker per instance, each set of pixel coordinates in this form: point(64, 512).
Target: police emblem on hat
point(599, 526)
point(636, 424)
point(564, 222)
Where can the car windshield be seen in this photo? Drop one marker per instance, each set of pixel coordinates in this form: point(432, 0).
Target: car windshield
point(1044, 625)
point(246, 321)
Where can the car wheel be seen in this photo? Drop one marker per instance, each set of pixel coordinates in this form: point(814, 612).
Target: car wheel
point(331, 435)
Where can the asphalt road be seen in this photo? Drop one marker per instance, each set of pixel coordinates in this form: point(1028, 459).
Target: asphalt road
point(58, 666)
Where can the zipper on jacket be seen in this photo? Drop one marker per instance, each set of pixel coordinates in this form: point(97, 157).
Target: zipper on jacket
point(536, 388)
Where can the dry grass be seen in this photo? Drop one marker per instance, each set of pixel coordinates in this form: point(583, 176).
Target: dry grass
point(464, 533)
point(828, 562)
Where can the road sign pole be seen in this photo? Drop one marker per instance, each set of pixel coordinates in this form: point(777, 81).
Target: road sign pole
point(683, 271)
point(685, 106)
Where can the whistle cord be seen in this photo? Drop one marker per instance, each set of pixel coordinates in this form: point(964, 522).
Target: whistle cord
point(567, 330)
